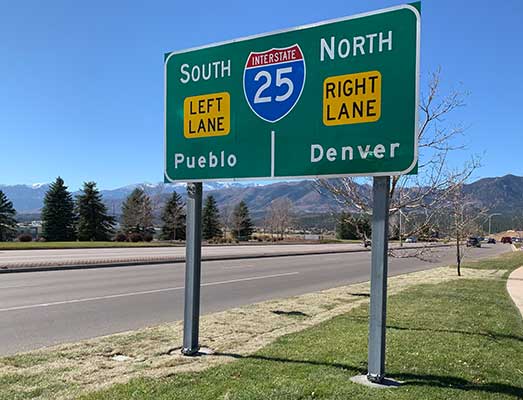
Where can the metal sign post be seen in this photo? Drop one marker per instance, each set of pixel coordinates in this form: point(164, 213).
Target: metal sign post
point(193, 260)
point(378, 282)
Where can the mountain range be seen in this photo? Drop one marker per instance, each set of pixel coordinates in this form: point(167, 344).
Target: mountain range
point(501, 194)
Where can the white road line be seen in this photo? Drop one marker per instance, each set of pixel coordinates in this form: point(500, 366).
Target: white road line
point(115, 296)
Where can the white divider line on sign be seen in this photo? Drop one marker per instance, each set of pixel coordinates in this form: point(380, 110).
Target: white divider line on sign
point(272, 154)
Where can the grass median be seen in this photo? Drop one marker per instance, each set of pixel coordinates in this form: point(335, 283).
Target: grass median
point(456, 340)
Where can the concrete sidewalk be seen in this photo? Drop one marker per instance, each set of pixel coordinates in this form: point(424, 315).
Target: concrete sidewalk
point(515, 288)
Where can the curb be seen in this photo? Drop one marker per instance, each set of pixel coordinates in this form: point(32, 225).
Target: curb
point(179, 260)
point(515, 288)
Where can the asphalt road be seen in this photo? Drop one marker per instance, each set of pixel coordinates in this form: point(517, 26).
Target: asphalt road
point(44, 308)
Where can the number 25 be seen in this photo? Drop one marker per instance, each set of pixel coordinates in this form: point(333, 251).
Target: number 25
point(258, 98)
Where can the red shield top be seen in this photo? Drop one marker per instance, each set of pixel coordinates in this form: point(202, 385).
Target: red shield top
point(274, 56)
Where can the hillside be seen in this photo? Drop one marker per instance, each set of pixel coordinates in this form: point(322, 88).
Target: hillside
point(502, 194)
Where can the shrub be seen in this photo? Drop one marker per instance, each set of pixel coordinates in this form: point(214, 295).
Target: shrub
point(120, 237)
point(135, 237)
point(148, 237)
point(218, 240)
point(25, 237)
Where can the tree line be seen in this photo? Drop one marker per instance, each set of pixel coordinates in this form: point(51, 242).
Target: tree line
point(86, 218)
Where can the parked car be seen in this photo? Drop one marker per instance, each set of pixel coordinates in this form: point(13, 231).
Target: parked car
point(491, 241)
point(411, 239)
point(473, 242)
point(506, 239)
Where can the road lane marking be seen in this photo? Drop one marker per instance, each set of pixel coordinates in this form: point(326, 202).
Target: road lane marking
point(114, 296)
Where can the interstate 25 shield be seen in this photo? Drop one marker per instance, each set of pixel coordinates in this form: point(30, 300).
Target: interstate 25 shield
point(273, 81)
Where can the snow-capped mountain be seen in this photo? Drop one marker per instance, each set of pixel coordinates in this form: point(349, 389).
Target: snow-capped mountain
point(28, 199)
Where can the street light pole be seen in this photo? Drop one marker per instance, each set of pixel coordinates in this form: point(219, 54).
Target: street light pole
point(400, 235)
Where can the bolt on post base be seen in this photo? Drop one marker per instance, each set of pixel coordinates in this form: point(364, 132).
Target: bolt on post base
point(375, 378)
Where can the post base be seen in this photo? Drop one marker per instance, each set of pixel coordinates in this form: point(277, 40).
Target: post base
point(200, 351)
point(385, 383)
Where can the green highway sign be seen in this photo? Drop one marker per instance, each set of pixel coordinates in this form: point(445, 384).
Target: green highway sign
point(335, 98)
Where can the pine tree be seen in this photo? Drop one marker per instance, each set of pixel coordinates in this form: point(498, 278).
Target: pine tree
point(137, 213)
point(242, 226)
point(211, 227)
point(173, 218)
point(93, 221)
point(353, 226)
point(58, 217)
point(7, 218)
point(344, 228)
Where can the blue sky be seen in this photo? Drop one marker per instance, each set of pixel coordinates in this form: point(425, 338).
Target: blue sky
point(81, 83)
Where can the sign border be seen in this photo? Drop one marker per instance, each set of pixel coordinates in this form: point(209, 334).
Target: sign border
point(302, 27)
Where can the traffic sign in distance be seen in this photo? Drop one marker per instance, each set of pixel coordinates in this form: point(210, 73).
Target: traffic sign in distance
point(335, 98)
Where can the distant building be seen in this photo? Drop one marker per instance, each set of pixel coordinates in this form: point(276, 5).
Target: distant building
point(33, 228)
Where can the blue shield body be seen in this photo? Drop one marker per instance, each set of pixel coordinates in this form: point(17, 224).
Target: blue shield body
point(273, 81)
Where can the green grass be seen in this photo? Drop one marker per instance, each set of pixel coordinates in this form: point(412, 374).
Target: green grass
point(457, 340)
point(78, 245)
point(508, 261)
point(31, 386)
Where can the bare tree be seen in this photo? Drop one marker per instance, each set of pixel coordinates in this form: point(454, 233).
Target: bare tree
point(226, 213)
point(466, 217)
point(146, 218)
point(418, 196)
point(279, 215)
